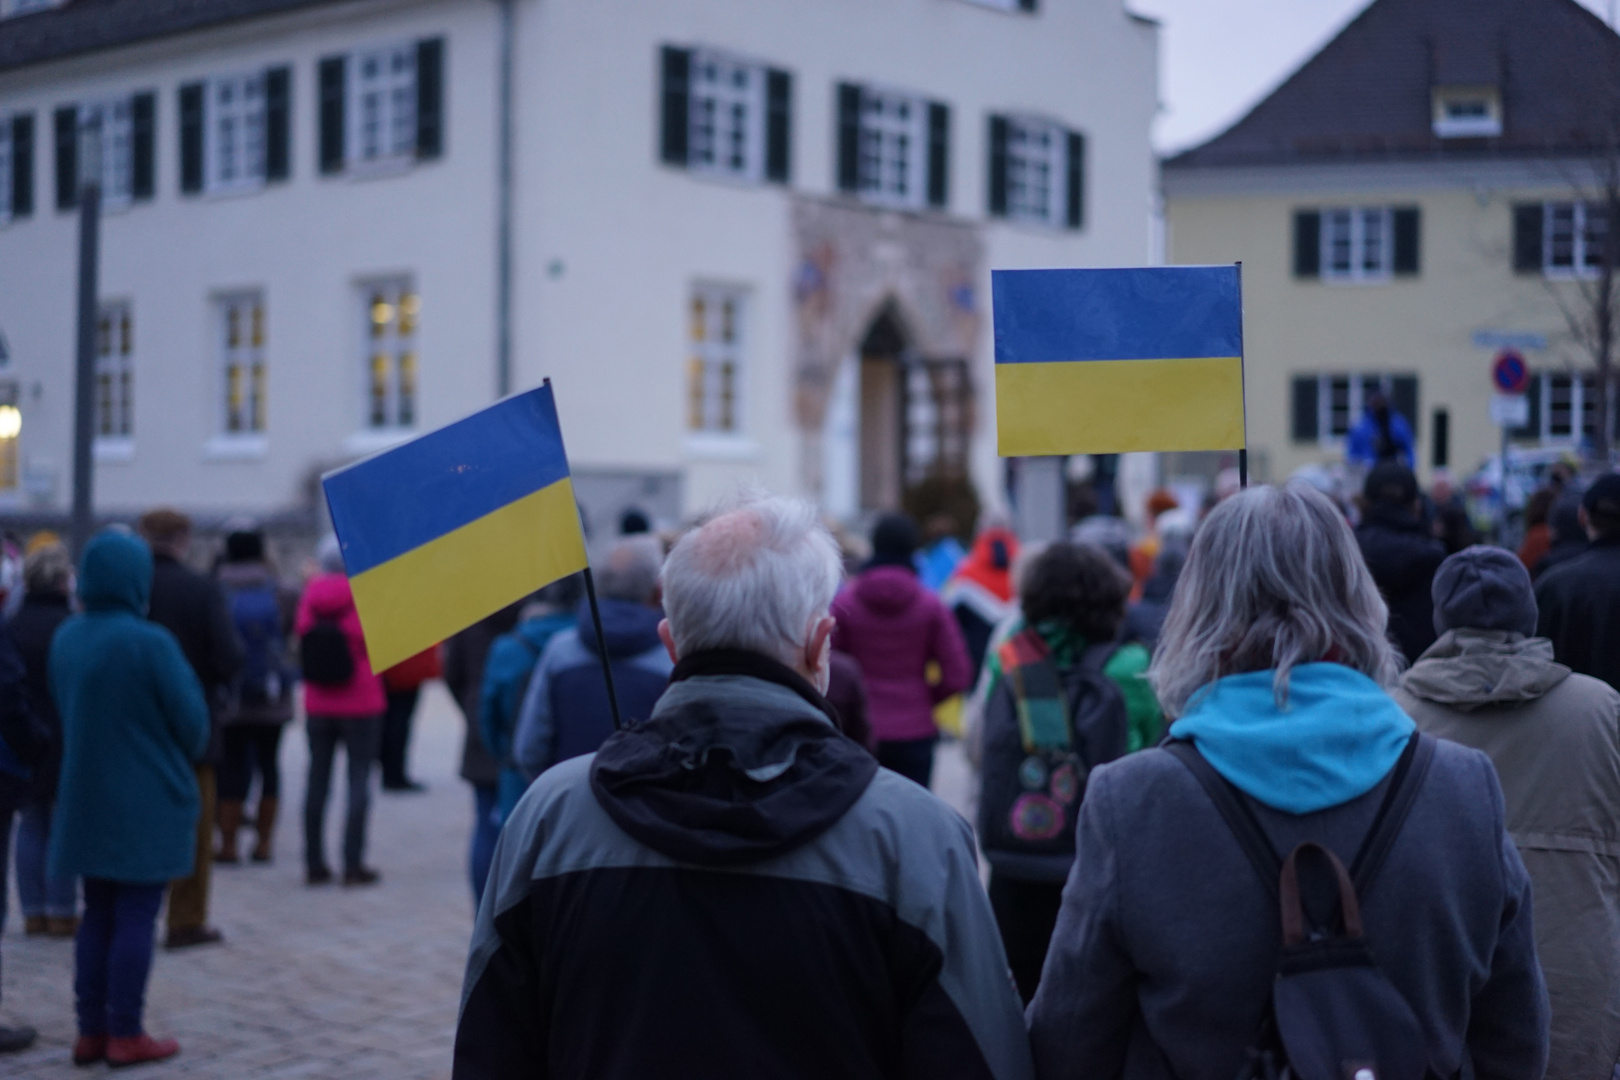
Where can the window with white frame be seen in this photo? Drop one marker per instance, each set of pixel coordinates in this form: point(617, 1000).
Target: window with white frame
point(1569, 406)
point(714, 368)
point(726, 110)
point(893, 150)
point(235, 140)
point(1356, 243)
point(1572, 238)
point(391, 310)
point(115, 122)
point(383, 105)
point(242, 363)
point(1037, 159)
point(115, 371)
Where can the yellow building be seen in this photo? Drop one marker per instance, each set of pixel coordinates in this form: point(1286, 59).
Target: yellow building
point(1423, 194)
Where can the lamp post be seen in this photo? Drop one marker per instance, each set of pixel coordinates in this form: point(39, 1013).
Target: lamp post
point(89, 155)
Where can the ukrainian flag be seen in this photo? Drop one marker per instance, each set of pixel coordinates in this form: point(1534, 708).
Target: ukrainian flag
point(457, 524)
point(1105, 361)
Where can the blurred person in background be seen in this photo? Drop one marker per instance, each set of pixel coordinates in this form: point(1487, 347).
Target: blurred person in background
point(192, 607)
point(1114, 535)
point(135, 722)
point(343, 705)
point(1401, 554)
point(1579, 599)
point(1566, 533)
point(1537, 531)
point(507, 672)
point(1144, 619)
point(980, 593)
point(1451, 523)
point(261, 700)
point(1063, 698)
point(50, 903)
point(1146, 549)
point(402, 684)
point(941, 552)
point(465, 656)
point(25, 742)
point(1381, 435)
point(565, 710)
point(1554, 737)
point(894, 628)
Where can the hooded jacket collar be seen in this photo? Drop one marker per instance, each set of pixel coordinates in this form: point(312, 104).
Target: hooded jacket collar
point(115, 574)
point(628, 628)
point(739, 762)
point(1468, 669)
point(1337, 737)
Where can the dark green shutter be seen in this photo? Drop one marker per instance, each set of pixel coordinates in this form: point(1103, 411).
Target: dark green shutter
point(1408, 230)
point(1440, 440)
point(1026, 5)
point(1403, 398)
point(143, 145)
point(332, 109)
point(1532, 428)
point(849, 137)
point(1307, 409)
point(191, 138)
point(1307, 244)
point(998, 166)
point(676, 97)
point(1075, 212)
point(429, 98)
point(278, 123)
point(67, 157)
point(778, 126)
point(1527, 239)
point(22, 165)
point(939, 154)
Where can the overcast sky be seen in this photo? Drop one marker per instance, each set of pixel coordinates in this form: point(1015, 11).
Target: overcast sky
point(1219, 57)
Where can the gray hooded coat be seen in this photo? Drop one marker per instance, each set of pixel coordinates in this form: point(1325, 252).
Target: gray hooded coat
point(1554, 737)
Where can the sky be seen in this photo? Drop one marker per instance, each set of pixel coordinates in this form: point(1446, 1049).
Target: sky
point(1218, 58)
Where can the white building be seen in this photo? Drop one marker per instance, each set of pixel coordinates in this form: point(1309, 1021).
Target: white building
point(749, 242)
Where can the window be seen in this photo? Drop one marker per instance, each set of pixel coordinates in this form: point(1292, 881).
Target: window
point(124, 129)
point(714, 368)
point(1356, 243)
point(1327, 407)
point(1467, 112)
point(234, 131)
point(390, 319)
point(1572, 238)
point(382, 106)
point(16, 166)
point(116, 124)
point(726, 116)
point(1037, 172)
point(893, 147)
point(1567, 400)
point(235, 141)
point(115, 372)
point(242, 363)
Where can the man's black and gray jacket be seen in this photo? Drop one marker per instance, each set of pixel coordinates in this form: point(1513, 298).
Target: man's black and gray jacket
point(733, 889)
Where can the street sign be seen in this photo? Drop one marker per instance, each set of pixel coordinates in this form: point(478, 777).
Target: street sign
point(1510, 373)
point(1510, 410)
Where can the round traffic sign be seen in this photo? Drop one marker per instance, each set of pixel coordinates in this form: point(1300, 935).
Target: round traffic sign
point(1510, 373)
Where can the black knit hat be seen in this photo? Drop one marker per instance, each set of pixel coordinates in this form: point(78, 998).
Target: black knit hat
point(894, 540)
point(1602, 502)
point(244, 547)
point(1484, 588)
point(1392, 484)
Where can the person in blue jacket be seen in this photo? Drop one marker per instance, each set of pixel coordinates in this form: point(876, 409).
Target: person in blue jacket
point(134, 721)
point(1382, 434)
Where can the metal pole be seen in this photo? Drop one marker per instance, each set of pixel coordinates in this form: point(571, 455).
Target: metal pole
point(503, 235)
point(1243, 378)
point(85, 368)
point(601, 649)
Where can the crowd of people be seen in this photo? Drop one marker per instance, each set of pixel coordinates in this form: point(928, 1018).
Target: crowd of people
point(734, 861)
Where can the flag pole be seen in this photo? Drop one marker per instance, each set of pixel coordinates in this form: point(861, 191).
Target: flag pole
point(601, 648)
point(1243, 451)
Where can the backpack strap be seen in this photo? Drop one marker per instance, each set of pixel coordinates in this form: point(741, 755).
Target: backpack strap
point(1238, 814)
point(1410, 770)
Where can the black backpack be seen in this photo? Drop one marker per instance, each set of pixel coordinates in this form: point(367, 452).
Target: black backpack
point(324, 655)
point(1333, 1014)
point(1030, 800)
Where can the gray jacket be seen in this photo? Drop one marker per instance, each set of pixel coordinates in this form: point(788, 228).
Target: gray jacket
point(1555, 739)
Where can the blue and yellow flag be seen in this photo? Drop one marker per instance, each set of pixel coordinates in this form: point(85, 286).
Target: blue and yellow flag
point(457, 524)
point(1106, 361)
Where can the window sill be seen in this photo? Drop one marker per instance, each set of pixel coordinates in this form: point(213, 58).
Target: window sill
point(234, 191)
point(236, 448)
point(113, 450)
point(371, 440)
point(716, 446)
point(1380, 279)
point(378, 168)
point(1035, 226)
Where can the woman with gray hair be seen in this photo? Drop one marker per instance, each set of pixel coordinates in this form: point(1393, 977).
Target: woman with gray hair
point(1273, 665)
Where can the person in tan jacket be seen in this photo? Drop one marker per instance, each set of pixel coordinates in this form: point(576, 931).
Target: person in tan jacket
point(1554, 737)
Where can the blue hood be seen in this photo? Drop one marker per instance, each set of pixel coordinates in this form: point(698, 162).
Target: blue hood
point(629, 628)
point(115, 574)
point(1338, 737)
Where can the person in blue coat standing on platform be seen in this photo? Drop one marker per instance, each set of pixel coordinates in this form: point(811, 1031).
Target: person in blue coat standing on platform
point(134, 722)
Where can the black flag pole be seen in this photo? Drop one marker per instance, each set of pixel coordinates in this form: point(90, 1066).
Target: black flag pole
point(1243, 452)
point(601, 648)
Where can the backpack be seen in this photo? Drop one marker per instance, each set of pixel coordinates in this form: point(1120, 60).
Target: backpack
point(1333, 1014)
point(256, 613)
point(324, 654)
point(1044, 730)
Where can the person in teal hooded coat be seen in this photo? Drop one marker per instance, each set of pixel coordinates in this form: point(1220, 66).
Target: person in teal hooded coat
point(133, 721)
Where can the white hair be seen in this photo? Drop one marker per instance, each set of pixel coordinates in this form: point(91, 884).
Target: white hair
point(630, 569)
point(1274, 579)
point(754, 577)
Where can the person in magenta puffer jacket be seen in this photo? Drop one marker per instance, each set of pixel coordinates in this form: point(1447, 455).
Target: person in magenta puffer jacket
point(349, 713)
point(894, 626)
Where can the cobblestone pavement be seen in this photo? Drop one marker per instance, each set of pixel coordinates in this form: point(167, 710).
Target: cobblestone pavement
point(316, 983)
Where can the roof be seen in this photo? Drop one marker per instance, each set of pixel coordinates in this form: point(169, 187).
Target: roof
point(1367, 95)
point(83, 26)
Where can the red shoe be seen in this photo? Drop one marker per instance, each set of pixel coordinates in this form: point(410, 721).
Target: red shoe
point(139, 1049)
point(89, 1049)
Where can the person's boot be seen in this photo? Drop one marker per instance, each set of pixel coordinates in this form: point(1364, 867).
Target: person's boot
point(89, 1049)
point(15, 1039)
point(35, 925)
point(139, 1049)
point(230, 823)
point(265, 824)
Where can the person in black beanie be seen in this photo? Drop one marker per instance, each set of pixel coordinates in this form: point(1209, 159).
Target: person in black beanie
point(1580, 598)
point(1401, 554)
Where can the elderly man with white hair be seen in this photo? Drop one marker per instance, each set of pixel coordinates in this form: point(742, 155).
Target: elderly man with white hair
point(732, 888)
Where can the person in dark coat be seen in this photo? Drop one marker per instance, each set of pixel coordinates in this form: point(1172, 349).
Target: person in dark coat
point(1566, 534)
point(1401, 554)
point(192, 607)
point(134, 724)
point(31, 744)
point(1274, 666)
point(465, 656)
point(1580, 598)
point(1145, 618)
point(49, 904)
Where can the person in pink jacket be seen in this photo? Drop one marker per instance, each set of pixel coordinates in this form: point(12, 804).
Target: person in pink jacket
point(894, 626)
point(343, 703)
